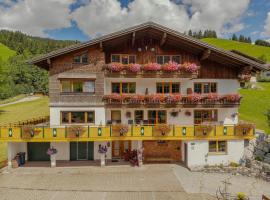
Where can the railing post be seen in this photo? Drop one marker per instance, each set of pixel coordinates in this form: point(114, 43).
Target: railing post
point(43, 131)
point(88, 131)
point(110, 131)
point(132, 130)
point(194, 130)
point(65, 131)
point(234, 131)
point(215, 131)
point(152, 131)
point(173, 130)
point(21, 131)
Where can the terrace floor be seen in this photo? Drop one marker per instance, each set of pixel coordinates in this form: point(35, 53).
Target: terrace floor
point(150, 182)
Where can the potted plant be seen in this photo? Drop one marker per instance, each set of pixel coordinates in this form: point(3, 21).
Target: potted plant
point(189, 68)
point(194, 98)
point(52, 153)
point(115, 67)
point(155, 98)
point(170, 67)
point(212, 97)
point(204, 128)
point(102, 150)
point(244, 127)
point(30, 131)
point(162, 130)
point(151, 67)
point(120, 129)
point(173, 98)
point(75, 131)
point(232, 98)
point(134, 67)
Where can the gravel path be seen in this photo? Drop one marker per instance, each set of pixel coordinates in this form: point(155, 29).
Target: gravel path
point(25, 99)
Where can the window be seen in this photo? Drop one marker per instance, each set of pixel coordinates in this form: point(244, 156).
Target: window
point(126, 88)
point(77, 117)
point(201, 116)
point(83, 58)
point(138, 116)
point(123, 58)
point(162, 59)
point(217, 146)
point(157, 116)
point(205, 87)
point(166, 88)
point(78, 86)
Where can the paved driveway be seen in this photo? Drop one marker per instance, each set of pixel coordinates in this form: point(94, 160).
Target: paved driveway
point(150, 182)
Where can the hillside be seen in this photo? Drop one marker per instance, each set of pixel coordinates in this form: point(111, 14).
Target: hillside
point(249, 49)
point(5, 52)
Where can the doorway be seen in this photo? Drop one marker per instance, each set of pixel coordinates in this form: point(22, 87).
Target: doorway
point(119, 148)
point(81, 150)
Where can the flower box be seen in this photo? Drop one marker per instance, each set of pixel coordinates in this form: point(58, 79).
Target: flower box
point(115, 67)
point(189, 68)
point(152, 67)
point(162, 130)
point(170, 67)
point(135, 68)
point(173, 98)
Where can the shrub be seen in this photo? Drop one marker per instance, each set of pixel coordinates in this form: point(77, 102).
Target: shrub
point(268, 117)
point(233, 164)
point(241, 196)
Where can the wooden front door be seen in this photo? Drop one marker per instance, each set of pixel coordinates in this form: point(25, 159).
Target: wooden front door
point(119, 148)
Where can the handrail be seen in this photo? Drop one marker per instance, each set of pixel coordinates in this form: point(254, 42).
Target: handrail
point(32, 121)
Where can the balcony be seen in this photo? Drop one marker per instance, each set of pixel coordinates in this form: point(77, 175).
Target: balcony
point(152, 70)
point(126, 132)
point(173, 100)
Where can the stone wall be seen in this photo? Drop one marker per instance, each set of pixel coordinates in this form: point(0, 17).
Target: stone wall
point(262, 148)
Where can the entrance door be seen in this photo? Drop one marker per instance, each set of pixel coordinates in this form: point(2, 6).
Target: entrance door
point(116, 116)
point(37, 151)
point(81, 150)
point(119, 148)
point(157, 116)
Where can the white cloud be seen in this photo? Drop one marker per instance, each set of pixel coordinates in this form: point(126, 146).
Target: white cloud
point(104, 16)
point(267, 26)
point(35, 16)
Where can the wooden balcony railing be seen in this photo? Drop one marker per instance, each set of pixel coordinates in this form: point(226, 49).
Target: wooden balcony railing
point(173, 99)
point(128, 132)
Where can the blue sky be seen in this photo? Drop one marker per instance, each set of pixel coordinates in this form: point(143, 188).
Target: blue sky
point(86, 19)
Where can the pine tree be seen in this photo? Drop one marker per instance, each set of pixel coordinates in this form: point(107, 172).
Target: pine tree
point(234, 37)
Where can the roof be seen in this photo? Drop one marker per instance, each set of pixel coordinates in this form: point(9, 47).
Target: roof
point(244, 60)
point(247, 56)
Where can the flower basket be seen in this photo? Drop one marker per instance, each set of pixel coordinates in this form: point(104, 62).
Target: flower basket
point(212, 98)
point(29, 132)
point(244, 128)
point(75, 131)
point(173, 98)
point(194, 98)
point(170, 67)
point(232, 98)
point(115, 67)
point(155, 98)
point(189, 68)
point(135, 68)
point(152, 67)
point(119, 130)
point(162, 130)
point(51, 151)
point(203, 129)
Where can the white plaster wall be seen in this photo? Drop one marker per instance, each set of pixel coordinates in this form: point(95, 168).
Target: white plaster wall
point(198, 153)
point(225, 115)
point(109, 151)
point(136, 144)
point(14, 148)
point(224, 86)
point(55, 114)
point(63, 150)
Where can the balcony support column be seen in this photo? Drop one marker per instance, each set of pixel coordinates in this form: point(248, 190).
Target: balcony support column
point(140, 153)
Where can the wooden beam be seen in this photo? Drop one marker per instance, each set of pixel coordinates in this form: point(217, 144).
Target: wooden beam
point(163, 40)
point(101, 46)
point(205, 54)
point(133, 38)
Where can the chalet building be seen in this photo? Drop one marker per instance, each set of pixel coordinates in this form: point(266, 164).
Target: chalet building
point(147, 87)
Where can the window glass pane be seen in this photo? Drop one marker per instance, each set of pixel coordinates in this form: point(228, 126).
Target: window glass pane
point(166, 88)
point(221, 146)
point(138, 116)
point(115, 58)
point(162, 116)
point(132, 87)
point(206, 88)
point(197, 117)
point(175, 88)
point(116, 88)
point(176, 59)
point(77, 59)
point(124, 87)
point(77, 86)
point(132, 59)
point(65, 117)
point(91, 117)
point(159, 88)
point(85, 58)
point(206, 116)
point(66, 86)
point(152, 116)
point(160, 60)
point(77, 117)
point(212, 146)
point(197, 88)
point(167, 59)
point(89, 86)
point(125, 59)
point(213, 87)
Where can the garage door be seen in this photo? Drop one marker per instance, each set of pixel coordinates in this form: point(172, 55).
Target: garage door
point(37, 151)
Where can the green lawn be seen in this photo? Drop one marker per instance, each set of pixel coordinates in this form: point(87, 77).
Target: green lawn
point(255, 104)
point(249, 49)
point(12, 99)
point(5, 52)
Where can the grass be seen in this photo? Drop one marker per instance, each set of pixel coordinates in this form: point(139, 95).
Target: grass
point(24, 110)
point(5, 52)
point(12, 99)
point(249, 49)
point(255, 104)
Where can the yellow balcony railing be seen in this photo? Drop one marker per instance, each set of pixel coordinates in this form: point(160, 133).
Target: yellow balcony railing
point(132, 132)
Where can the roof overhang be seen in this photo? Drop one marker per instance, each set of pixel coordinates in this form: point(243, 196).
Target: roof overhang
point(44, 60)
